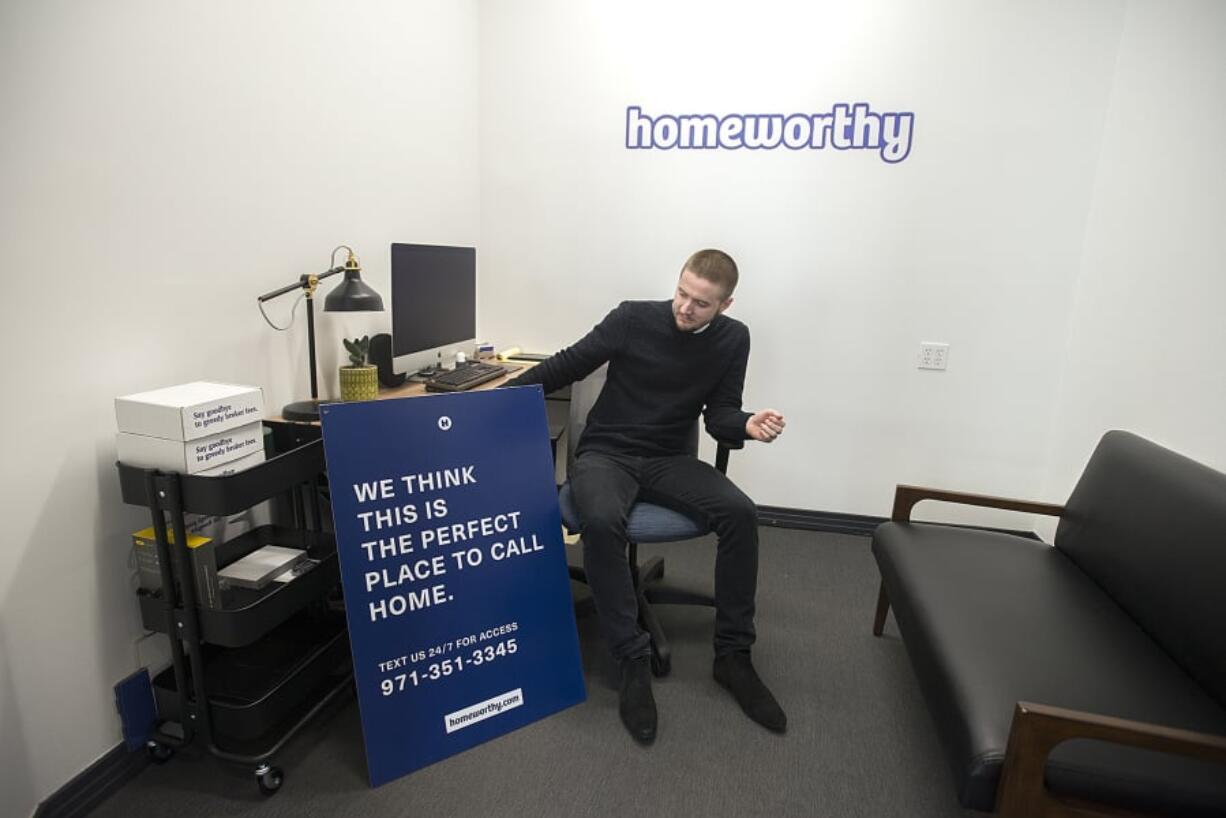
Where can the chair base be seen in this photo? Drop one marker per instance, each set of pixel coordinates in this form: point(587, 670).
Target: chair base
point(650, 592)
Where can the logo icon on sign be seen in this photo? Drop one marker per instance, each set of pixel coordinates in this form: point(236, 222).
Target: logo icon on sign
point(444, 423)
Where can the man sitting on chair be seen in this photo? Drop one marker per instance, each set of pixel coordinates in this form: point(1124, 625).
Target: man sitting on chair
point(667, 363)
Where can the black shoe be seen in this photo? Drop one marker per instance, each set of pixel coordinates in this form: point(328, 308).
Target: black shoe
point(735, 672)
point(634, 700)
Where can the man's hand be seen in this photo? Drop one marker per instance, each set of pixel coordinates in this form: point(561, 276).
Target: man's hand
point(765, 425)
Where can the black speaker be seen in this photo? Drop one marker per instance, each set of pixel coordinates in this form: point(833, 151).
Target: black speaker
point(381, 356)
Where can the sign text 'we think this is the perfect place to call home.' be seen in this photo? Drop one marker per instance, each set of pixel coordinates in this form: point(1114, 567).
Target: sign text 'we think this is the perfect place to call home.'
point(846, 126)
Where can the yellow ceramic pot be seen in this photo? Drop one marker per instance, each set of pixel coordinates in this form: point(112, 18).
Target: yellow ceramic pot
point(359, 382)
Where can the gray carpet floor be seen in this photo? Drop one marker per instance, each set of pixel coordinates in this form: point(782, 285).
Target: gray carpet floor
point(860, 741)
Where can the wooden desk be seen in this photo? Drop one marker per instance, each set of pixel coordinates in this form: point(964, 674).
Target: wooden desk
point(409, 389)
point(289, 433)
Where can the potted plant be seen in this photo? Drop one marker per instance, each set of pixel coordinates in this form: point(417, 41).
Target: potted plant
point(360, 379)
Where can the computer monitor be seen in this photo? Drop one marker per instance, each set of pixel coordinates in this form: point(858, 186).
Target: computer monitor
point(434, 302)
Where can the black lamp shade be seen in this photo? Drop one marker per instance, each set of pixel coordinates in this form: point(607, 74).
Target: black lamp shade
point(353, 295)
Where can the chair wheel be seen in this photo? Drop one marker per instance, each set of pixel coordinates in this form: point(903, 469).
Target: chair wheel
point(660, 665)
point(159, 753)
point(269, 779)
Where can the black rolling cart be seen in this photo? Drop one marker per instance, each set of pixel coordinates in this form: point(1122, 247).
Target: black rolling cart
point(247, 675)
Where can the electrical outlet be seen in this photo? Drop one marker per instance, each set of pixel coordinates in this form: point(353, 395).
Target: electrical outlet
point(933, 355)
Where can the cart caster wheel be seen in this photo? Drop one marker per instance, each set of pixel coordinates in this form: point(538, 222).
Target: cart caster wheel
point(660, 665)
point(159, 753)
point(270, 779)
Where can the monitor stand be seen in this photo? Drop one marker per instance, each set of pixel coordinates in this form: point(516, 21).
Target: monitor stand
point(432, 371)
point(427, 372)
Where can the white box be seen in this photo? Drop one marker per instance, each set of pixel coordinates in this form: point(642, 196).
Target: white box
point(221, 528)
point(227, 469)
point(191, 457)
point(190, 410)
point(224, 529)
point(261, 566)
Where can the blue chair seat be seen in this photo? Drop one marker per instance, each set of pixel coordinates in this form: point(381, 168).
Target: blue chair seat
point(647, 522)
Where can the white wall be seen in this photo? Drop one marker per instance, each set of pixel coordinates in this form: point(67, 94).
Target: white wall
point(847, 262)
point(1147, 341)
point(163, 164)
point(1060, 202)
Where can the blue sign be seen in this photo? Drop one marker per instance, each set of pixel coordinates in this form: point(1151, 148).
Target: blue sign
point(452, 563)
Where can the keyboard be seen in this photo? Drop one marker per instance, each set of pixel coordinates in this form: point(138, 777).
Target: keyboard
point(465, 377)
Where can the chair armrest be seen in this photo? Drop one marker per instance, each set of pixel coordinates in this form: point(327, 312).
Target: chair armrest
point(722, 448)
point(728, 444)
point(905, 498)
point(1037, 729)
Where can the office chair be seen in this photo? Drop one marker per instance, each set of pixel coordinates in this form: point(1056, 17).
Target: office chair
point(646, 523)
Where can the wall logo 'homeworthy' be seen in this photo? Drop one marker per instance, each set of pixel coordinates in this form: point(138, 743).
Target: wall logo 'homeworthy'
point(847, 127)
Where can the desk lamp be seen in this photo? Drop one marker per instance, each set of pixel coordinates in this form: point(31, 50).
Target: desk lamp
point(351, 295)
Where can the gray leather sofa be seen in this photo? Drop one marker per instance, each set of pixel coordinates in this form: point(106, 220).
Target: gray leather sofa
point(1086, 677)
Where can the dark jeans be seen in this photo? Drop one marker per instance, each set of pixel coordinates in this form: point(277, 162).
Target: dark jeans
point(605, 486)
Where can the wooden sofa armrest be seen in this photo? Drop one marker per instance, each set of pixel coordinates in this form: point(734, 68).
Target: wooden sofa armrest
point(1037, 729)
point(905, 498)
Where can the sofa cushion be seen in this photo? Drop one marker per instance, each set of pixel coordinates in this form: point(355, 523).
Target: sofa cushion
point(991, 619)
point(1149, 526)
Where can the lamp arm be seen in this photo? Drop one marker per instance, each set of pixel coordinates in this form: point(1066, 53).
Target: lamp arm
point(288, 288)
point(306, 282)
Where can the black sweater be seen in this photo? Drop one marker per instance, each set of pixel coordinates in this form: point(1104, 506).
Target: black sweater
point(659, 379)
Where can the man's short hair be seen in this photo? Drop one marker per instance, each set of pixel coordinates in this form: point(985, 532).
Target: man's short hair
point(715, 266)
